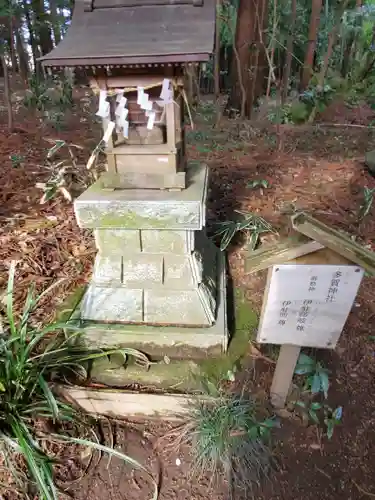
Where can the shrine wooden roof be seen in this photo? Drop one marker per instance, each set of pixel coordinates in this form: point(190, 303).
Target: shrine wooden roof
point(131, 32)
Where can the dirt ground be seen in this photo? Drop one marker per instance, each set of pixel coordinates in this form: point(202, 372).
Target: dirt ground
point(320, 169)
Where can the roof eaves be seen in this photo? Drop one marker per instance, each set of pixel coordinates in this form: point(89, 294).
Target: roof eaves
point(49, 60)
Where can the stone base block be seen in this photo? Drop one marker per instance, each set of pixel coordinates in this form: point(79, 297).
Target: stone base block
point(177, 376)
point(158, 341)
point(155, 289)
point(141, 209)
point(151, 270)
point(132, 241)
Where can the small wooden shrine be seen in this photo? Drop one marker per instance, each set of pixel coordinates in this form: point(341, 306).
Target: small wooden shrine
point(158, 282)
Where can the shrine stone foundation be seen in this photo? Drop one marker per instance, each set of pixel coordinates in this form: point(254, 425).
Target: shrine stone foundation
point(158, 282)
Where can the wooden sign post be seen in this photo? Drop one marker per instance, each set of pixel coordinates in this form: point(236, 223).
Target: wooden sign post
point(313, 279)
point(305, 305)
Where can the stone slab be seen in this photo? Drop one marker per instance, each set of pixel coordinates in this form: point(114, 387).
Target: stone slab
point(121, 304)
point(157, 341)
point(149, 271)
point(177, 375)
point(117, 241)
point(126, 404)
point(176, 307)
point(175, 242)
point(168, 289)
point(107, 270)
point(146, 209)
point(183, 271)
point(142, 270)
point(126, 241)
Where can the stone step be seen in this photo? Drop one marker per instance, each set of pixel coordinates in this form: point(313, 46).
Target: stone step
point(177, 376)
point(126, 404)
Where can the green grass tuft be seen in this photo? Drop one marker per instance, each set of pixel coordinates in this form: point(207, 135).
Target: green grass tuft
point(31, 360)
point(227, 438)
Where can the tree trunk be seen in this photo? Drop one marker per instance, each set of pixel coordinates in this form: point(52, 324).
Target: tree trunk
point(22, 57)
point(331, 43)
point(32, 38)
point(7, 94)
point(370, 58)
point(217, 53)
point(13, 55)
point(55, 21)
point(347, 56)
point(350, 44)
point(261, 62)
point(248, 68)
point(41, 22)
point(271, 73)
point(311, 44)
point(289, 53)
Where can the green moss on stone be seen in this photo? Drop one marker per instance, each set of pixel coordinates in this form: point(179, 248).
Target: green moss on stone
point(178, 376)
point(246, 322)
point(246, 319)
point(126, 220)
point(113, 241)
point(69, 305)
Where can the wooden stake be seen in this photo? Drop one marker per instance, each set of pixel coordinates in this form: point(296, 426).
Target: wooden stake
point(283, 375)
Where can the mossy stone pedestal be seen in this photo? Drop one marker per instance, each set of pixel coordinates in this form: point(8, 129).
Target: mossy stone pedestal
point(159, 283)
point(155, 265)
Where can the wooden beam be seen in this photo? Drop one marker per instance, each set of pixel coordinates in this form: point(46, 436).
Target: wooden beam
point(124, 404)
point(334, 240)
point(296, 246)
point(134, 180)
point(108, 4)
point(133, 81)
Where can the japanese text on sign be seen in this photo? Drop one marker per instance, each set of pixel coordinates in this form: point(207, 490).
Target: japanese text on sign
point(308, 305)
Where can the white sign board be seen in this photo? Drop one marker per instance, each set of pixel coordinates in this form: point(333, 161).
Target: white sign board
point(307, 305)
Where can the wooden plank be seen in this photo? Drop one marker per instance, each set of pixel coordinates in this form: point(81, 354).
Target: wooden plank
point(170, 123)
point(108, 4)
point(131, 81)
point(323, 256)
point(122, 404)
point(139, 135)
point(283, 375)
point(140, 149)
point(178, 118)
point(138, 180)
point(146, 164)
point(280, 253)
point(336, 241)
